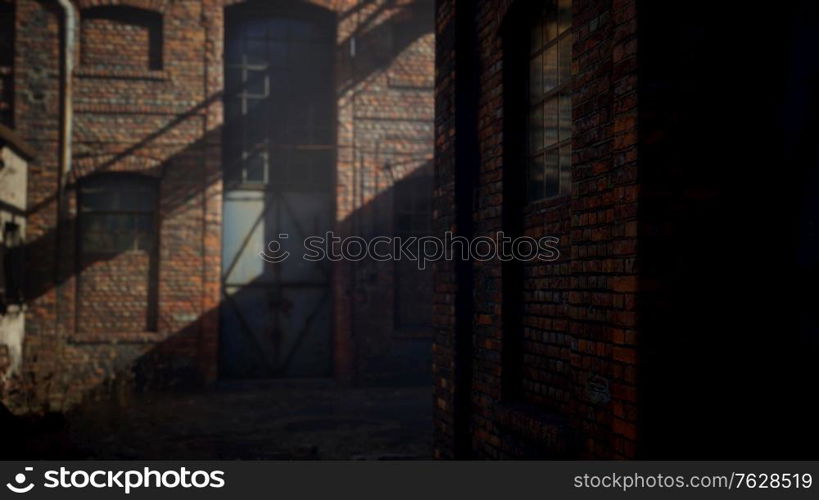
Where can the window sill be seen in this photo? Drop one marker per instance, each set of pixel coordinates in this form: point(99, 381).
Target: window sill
point(145, 337)
point(111, 254)
point(536, 424)
point(558, 201)
point(122, 74)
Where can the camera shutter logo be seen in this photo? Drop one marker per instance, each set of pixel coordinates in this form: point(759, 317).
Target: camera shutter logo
point(20, 478)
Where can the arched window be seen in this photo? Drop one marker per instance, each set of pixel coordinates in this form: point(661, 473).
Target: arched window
point(549, 108)
point(120, 38)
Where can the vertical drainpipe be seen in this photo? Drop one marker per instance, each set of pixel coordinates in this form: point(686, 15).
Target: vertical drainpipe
point(69, 30)
point(67, 70)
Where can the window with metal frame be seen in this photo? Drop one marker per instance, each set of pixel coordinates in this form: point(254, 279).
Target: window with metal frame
point(549, 115)
point(279, 109)
point(117, 214)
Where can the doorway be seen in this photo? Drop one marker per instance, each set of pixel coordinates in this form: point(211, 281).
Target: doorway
point(278, 157)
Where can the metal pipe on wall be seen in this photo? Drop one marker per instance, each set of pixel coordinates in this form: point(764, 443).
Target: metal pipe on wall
point(69, 30)
point(66, 108)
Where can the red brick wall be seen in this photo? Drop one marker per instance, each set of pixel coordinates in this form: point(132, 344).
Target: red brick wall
point(445, 361)
point(112, 37)
point(114, 295)
point(578, 369)
point(88, 330)
point(604, 213)
point(37, 99)
point(85, 333)
point(385, 134)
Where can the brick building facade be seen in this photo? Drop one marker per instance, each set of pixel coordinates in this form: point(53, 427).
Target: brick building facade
point(657, 333)
point(671, 149)
point(135, 185)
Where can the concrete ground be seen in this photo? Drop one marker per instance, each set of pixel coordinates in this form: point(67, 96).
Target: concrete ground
point(278, 419)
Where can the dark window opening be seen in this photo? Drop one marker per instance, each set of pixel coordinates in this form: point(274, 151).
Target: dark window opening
point(121, 38)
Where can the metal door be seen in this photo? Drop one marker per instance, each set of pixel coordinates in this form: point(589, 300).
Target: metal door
point(279, 178)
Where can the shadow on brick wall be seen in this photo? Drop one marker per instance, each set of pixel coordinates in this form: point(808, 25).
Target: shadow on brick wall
point(64, 373)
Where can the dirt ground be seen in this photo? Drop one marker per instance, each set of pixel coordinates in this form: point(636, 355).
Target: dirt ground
point(302, 419)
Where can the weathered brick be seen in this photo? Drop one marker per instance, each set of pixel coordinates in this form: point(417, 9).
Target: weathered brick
point(147, 99)
point(567, 304)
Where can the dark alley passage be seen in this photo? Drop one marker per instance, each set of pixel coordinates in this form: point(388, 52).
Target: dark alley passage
point(272, 419)
point(407, 230)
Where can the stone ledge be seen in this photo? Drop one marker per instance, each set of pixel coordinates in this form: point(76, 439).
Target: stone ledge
point(145, 337)
point(543, 428)
point(159, 75)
